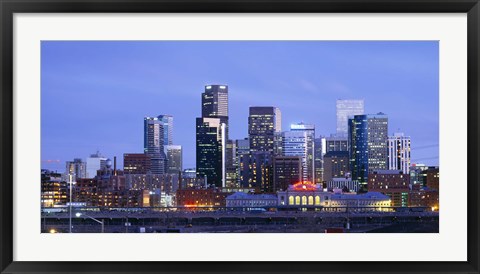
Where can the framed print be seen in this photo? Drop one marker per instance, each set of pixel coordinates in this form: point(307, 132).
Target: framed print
point(239, 136)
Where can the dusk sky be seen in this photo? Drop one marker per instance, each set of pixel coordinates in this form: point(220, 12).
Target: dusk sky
point(95, 95)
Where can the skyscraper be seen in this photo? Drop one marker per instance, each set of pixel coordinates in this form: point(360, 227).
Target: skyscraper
point(336, 165)
point(167, 123)
point(263, 122)
point(295, 143)
point(209, 150)
point(174, 159)
point(309, 129)
point(368, 137)
point(215, 103)
point(154, 144)
point(318, 154)
point(346, 109)
point(399, 152)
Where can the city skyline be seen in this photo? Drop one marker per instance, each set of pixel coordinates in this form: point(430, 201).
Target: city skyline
point(116, 114)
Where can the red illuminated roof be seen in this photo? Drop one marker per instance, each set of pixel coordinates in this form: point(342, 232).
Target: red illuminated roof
point(304, 186)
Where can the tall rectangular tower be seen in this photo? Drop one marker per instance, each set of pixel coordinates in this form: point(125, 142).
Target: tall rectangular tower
point(154, 144)
point(209, 150)
point(263, 122)
point(167, 122)
point(368, 138)
point(346, 109)
point(309, 129)
point(399, 152)
point(215, 103)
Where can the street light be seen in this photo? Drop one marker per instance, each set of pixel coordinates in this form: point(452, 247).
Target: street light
point(98, 221)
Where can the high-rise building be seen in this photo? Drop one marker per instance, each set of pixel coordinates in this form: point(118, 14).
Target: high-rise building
point(318, 154)
point(136, 163)
point(295, 143)
point(287, 170)
point(209, 150)
point(309, 129)
point(94, 163)
point(261, 171)
point(174, 159)
point(263, 122)
point(345, 109)
point(399, 152)
point(336, 143)
point(154, 144)
point(335, 165)
point(242, 158)
point(77, 168)
point(167, 123)
point(368, 136)
point(215, 103)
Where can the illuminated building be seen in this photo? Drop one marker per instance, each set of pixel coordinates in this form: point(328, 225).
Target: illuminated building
point(167, 124)
point(295, 143)
point(310, 143)
point(368, 146)
point(174, 159)
point(77, 168)
point(154, 144)
point(399, 152)
point(261, 172)
point(303, 194)
point(95, 162)
point(53, 189)
point(136, 163)
point(335, 165)
point(287, 170)
point(318, 154)
point(308, 195)
point(393, 183)
point(417, 175)
point(263, 122)
point(215, 104)
point(168, 183)
point(231, 164)
point(209, 150)
point(251, 201)
point(194, 198)
point(336, 143)
point(345, 109)
point(85, 191)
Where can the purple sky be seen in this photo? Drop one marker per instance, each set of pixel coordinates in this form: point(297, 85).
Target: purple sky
point(96, 94)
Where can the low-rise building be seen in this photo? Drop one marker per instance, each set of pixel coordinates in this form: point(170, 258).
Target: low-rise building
point(245, 200)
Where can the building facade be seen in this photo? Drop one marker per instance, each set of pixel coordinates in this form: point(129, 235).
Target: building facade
point(309, 129)
point(209, 150)
point(174, 159)
point(136, 163)
point(287, 170)
point(345, 109)
point(368, 146)
point(295, 143)
point(94, 163)
point(167, 123)
point(336, 165)
point(154, 144)
point(393, 183)
point(263, 123)
point(399, 152)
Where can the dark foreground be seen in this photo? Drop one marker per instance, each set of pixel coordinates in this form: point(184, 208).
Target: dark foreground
point(242, 222)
